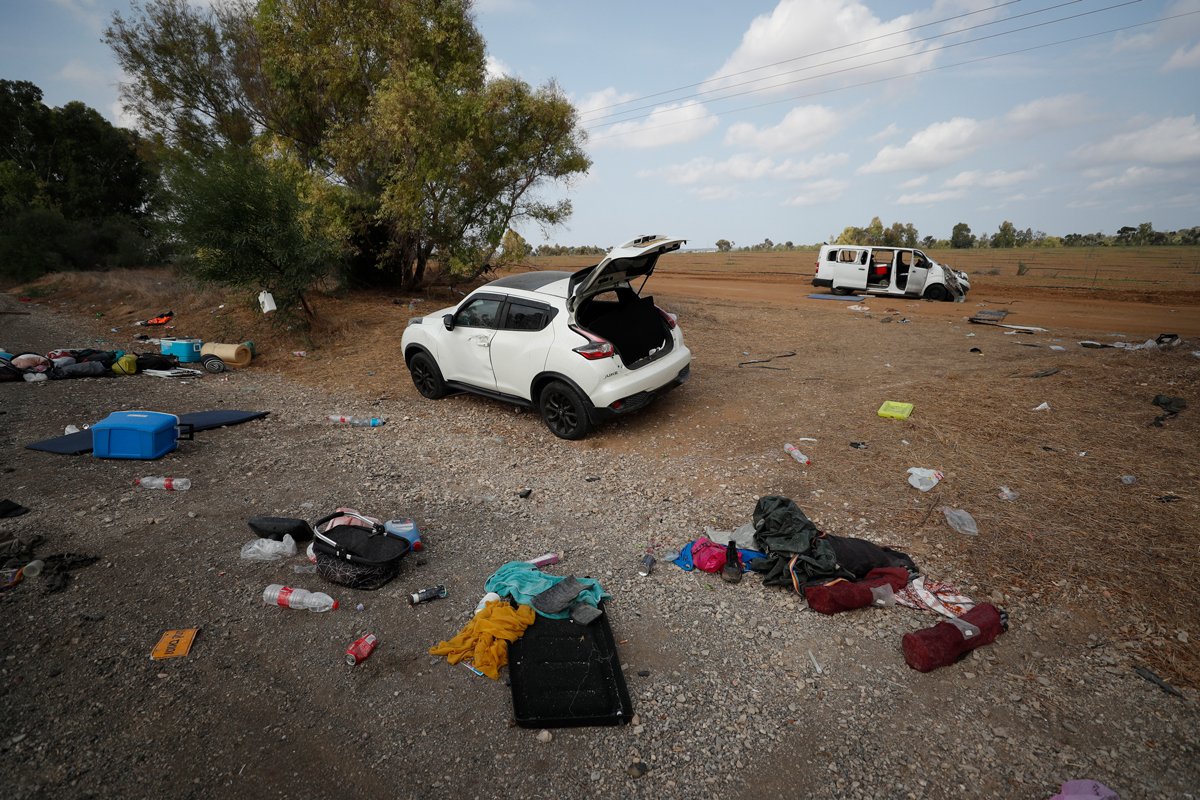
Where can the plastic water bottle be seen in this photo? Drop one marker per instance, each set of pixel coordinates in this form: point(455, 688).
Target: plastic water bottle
point(277, 594)
point(362, 422)
point(159, 482)
point(33, 568)
point(795, 453)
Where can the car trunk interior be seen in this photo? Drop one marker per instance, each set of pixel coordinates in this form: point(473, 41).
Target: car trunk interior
point(631, 323)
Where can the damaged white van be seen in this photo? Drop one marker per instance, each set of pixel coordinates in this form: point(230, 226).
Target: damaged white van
point(893, 271)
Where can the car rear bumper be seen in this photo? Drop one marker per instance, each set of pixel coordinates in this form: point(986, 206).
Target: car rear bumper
point(639, 400)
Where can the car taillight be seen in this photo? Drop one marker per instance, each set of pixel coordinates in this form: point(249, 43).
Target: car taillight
point(670, 318)
point(817, 267)
point(596, 348)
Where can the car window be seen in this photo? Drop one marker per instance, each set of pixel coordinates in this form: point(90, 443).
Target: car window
point(525, 317)
point(482, 312)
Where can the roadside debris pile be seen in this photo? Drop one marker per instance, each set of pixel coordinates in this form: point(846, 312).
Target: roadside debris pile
point(836, 574)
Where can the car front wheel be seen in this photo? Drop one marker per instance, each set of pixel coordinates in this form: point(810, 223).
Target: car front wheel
point(936, 292)
point(564, 411)
point(426, 376)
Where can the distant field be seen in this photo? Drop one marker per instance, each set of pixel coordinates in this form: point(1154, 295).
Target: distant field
point(1153, 269)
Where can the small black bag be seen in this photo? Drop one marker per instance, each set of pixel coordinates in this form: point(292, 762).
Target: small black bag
point(355, 556)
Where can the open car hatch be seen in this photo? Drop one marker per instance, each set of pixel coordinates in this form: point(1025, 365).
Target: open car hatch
point(633, 259)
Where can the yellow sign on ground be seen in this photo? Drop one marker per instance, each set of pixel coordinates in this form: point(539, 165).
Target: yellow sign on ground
point(174, 644)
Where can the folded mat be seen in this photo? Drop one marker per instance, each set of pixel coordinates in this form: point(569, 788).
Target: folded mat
point(74, 444)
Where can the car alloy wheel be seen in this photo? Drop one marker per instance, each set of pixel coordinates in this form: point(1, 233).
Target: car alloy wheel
point(426, 377)
point(564, 411)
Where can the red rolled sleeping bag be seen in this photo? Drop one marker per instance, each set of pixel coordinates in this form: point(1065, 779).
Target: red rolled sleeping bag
point(946, 642)
point(842, 595)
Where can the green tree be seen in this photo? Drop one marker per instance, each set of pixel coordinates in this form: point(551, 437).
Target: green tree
point(74, 190)
point(387, 98)
point(514, 247)
point(243, 222)
point(874, 232)
point(1006, 236)
point(724, 245)
point(961, 237)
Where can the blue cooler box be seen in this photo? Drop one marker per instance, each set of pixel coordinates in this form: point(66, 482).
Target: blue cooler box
point(142, 435)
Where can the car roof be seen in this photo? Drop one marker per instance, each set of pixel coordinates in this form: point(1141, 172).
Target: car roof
point(530, 281)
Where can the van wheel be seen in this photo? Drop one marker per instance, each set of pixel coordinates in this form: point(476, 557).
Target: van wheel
point(936, 292)
point(564, 411)
point(839, 290)
point(427, 377)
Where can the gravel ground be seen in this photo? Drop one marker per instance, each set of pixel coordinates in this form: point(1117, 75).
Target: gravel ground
point(727, 698)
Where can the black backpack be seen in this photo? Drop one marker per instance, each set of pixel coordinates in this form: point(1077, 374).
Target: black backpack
point(8, 372)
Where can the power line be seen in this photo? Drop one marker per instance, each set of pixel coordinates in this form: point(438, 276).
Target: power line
point(886, 61)
point(918, 72)
point(834, 61)
point(808, 55)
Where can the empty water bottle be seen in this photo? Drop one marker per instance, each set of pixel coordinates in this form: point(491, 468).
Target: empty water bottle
point(286, 596)
point(363, 422)
point(795, 453)
point(159, 482)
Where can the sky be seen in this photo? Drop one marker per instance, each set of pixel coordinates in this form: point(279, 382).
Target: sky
point(791, 120)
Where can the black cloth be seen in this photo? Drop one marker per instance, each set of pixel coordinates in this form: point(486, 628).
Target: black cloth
point(784, 533)
point(57, 572)
point(10, 509)
point(793, 545)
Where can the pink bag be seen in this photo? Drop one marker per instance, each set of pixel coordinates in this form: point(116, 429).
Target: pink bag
point(707, 555)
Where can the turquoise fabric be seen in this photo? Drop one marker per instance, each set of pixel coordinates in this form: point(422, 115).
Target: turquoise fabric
point(522, 582)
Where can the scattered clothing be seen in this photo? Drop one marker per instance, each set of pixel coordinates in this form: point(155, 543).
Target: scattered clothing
point(1170, 405)
point(798, 554)
point(484, 640)
point(56, 574)
point(842, 595)
point(930, 595)
point(522, 582)
point(686, 559)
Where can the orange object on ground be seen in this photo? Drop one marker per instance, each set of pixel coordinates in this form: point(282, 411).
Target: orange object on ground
point(484, 640)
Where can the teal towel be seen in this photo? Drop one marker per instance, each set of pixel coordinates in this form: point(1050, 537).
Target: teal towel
point(522, 582)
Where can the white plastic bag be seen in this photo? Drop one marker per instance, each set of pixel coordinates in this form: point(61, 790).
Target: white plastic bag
point(923, 479)
point(269, 549)
point(961, 521)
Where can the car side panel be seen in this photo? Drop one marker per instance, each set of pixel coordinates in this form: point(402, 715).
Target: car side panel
point(519, 356)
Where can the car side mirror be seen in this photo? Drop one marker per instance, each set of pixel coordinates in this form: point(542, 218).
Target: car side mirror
point(448, 321)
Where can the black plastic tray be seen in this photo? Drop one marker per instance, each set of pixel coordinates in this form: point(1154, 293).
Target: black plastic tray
point(567, 675)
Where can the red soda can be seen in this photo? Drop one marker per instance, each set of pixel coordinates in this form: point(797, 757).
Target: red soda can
point(360, 649)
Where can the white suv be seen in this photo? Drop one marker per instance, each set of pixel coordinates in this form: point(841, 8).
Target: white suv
point(579, 347)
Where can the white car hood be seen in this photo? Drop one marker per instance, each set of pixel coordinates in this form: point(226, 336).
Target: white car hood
point(631, 260)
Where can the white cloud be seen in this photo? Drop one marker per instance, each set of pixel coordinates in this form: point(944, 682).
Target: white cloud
point(819, 26)
point(887, 133)
point(86, 11)
point(1174, 140)
point(1084, 204)
point(996, 179)
point(495, 68)
point(499, 6)
point(818, 192)
point(1184, 58)
point(76, 71)
point(597, 104)
point(717, 193)
point(803, 128)
point(817, 165)
point(1058, 111)
point(915, 183)
point(743, 168)
point(927, 198)
point(1131, 177)
point(937, 145)
point(122, 118)
point(674, 123)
